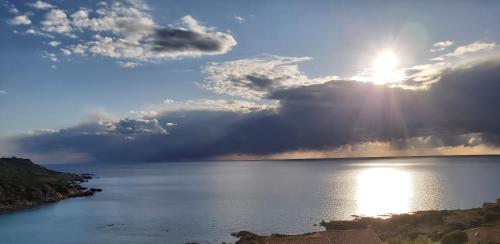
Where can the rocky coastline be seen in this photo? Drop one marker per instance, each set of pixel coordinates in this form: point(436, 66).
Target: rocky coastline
point(24, 184)
point(476, 225)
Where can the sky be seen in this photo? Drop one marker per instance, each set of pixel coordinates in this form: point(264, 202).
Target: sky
point(143, 81)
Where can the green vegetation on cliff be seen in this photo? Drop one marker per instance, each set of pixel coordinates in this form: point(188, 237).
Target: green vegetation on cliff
point(24, 184)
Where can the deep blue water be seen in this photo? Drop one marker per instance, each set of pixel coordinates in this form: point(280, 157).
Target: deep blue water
point(206, 201)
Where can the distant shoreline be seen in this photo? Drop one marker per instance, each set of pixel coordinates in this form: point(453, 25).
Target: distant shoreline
point(397, 157)
point(300, 159)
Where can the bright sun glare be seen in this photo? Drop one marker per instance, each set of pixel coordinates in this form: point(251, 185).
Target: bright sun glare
point(383, 190)
point(385, 68)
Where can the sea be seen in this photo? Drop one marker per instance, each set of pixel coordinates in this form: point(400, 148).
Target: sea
point(204, 202)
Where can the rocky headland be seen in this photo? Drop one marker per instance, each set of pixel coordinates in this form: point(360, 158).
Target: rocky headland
point(24, 184)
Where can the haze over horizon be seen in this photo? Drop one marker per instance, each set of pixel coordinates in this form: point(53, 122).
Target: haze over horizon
point(145, 81)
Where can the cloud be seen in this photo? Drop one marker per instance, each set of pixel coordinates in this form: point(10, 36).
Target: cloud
point(464, 57)
point(40, 5)
point(54, 43)
point(132, 127)
point(440, 46)
point(36, 32)
point(457, 114)
point(56, 21)
point(2, 92)
point(125, 30)
point(168, 101)
point(239, 19)
point(255, 78)
point(292, 115)
point(128, 64)
point(421, 146)
point(471, 48)
point(78, 49)
point(118, 18)
point(13, 9)
point(194, 40)
point(143, 113)
point(51, 56)
point(42, 131)
point(235, 105)
point(66, 51)
point(422, 76)
point(20, 20)
point(143, 41)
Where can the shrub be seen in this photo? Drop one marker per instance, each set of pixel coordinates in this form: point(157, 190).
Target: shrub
point(491, 216)
point(454, 237)
point(455, 226)
point(423, 239)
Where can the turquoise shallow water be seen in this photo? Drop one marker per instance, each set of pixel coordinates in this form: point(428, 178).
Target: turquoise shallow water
point(206, 201)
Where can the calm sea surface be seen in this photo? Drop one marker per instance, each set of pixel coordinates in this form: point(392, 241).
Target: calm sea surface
point(206, 201)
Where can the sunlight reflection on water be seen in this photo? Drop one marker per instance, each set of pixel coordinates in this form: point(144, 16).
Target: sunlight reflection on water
point(383, 190)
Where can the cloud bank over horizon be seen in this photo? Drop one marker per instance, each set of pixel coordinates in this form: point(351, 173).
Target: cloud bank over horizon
point(444, 107)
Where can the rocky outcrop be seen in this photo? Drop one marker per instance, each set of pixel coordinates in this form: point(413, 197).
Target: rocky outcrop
point(479, 225)
point(24, 184)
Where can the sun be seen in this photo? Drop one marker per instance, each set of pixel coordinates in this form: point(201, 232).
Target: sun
point(386, 61)
point(385, 68)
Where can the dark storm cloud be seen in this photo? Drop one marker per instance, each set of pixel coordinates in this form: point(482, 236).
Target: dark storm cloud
point(315, 117)
point(171, 39)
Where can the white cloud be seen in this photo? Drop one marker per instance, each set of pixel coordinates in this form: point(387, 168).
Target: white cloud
point(40, 5)
point(133, 126)
point(255, 78)
point(116, 48)
point(126, 31)
point(168, 101)
point(119, 19)
point(54, 43)
point(79, 49)
point(239, 19)
point(471, 48)
point(143, 114)
point(42, 131)
point(56, 21)
point(440, 46)
point(66, 51)
point(51, 56)
point(422, 76)
point(20, 20)
point(32, 31)
point(233, 105)
point(128, 64)
point(3, 92)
